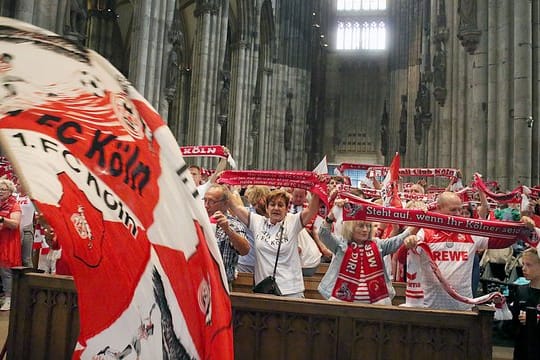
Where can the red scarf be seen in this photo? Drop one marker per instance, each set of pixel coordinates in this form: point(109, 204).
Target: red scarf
point(380, 171)
point(352, 166)
point(204, 150)
point(306, 180)
point(513, 196)
point(207, 151)
point(357, 256)
point(360, 209)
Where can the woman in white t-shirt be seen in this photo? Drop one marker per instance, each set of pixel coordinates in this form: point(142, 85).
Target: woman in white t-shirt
point(268, 235)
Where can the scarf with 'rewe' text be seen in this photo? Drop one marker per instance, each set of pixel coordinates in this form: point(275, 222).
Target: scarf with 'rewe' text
point(358, 257)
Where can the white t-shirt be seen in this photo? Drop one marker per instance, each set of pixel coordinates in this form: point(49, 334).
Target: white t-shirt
point(455, 260)
point(289, 269)
point(27, 211)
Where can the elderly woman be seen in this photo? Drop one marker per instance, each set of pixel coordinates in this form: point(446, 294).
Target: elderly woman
point(357, 272)
point(280, 227)
point(10, 237)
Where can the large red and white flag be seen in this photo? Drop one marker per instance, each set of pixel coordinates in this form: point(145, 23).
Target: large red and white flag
point(389, 190)
point(107, 174)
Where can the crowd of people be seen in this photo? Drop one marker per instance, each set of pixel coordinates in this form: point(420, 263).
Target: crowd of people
point(365, 257)
point(24, 241)
point(280, 232)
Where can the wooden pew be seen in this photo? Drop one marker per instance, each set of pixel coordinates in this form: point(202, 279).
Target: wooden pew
point(244, 284)
point(44, 324)
point(272, 327)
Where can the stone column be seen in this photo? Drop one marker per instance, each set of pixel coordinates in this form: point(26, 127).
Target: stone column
point(148, 48)
point(477, 122)
point(522, 121)
point(442, 129)
point(208, 60)
point(239, 87)
point(535, 158)
point(502, 112)
point(458, 102)
point(24, 10)
point(492, 40)
point(45, 14)
point(265, 146)
point(140, 44)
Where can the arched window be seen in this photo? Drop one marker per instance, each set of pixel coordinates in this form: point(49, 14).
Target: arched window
point(361, 25)
point(361, 5)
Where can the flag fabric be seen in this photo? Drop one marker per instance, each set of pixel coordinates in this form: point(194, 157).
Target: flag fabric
point(322, 167)
point(106, 172)
point(389, 190)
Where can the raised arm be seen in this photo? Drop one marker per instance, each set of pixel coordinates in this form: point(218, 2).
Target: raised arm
point(311, 210)
point(236, 206)
point(483, 208)
point(326, 236)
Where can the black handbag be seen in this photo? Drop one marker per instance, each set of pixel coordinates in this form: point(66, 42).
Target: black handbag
point(268, 285)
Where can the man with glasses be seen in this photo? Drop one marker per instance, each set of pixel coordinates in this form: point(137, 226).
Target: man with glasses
point(230, 232)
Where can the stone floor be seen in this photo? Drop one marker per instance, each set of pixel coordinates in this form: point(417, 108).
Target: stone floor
point(4, 321)
point(503, 353)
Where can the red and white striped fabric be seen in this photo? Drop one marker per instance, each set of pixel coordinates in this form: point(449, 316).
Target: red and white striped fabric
point(389, 191)
point(107, 174)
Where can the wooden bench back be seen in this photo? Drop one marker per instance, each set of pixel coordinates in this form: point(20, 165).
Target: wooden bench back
point(244, 284)
point(44, 324)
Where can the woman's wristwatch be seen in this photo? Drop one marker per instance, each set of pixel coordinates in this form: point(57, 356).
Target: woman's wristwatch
point(1, 219)
point(329, 220)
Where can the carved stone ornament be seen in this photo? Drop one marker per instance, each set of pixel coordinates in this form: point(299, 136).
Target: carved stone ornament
point(469, 40)
point(403, 125)
point(439, 73)
point(440, 95)
point(468, 32)
point(287, 131)
point(418, 128)
point(75, 21)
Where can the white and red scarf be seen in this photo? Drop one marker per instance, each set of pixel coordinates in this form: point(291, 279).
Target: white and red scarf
point(360, 209)
point(208, 151)
point(496, 297)
point(352, 166)
point(389, 186)
point(306, 180)
point(358, 257)
point(380, 171)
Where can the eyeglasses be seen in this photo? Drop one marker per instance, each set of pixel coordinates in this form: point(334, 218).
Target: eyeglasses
point(212, 202)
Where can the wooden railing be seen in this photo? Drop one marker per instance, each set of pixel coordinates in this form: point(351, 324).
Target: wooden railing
point(271, 327)
point(244, 284)
point(44, 317)
point(44, 325)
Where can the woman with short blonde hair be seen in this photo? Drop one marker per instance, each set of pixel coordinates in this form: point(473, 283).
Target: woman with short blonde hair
point(357, 272)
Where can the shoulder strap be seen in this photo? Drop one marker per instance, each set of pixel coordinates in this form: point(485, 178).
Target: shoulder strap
point(278, 249)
